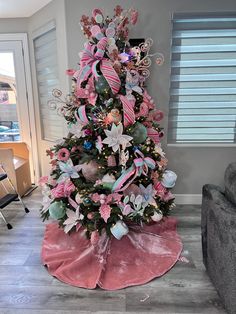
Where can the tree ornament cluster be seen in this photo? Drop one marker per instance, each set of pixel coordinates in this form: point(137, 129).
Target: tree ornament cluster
point(109, 172)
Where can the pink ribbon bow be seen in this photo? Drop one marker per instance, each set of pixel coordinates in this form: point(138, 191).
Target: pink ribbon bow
point(91, 57)
point(140, 166)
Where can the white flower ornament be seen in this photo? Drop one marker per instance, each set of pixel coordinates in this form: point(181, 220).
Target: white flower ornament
point(115, 138)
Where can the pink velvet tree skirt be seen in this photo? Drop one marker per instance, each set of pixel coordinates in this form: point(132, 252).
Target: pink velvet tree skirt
point(145, 253)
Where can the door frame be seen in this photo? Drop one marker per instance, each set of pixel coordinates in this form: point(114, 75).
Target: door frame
point(23, 38)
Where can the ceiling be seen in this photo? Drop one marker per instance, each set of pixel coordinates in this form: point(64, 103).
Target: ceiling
point(20, 8)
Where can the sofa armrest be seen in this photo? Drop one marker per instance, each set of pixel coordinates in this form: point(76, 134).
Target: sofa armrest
point(215, 206)
point(216, 194)
point(208, 190)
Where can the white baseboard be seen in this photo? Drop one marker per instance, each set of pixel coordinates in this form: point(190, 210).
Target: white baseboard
point(194, 199)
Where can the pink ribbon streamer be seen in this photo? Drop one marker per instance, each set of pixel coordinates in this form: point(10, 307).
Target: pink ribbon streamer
point(140, 166)
point(128, 110)
point(82, 114)
point(110, 75)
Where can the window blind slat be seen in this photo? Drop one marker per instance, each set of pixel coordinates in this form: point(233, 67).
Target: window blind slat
point(203, 77)
point(204, 63)
point(205, 70)
point(203, 104)
point(214, 124)
point(204, 33)
point(203, 41)
point(203, 91)
point(213, 56)
point(216, 111)
point(202, 48)
point(200, 98)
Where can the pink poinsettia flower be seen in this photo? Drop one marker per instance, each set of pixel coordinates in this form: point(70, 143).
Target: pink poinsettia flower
point(105, 211)
point(63, 189)
point(168, 196)
point(58, 191)
point(43, 180)
point(69, 187)
point(63, 154)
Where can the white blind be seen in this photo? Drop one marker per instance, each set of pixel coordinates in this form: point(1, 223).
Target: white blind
point(45, 49)
point(202, 106)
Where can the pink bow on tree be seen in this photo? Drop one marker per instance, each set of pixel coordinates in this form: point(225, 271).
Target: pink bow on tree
point(140, 165)
point(90, 58)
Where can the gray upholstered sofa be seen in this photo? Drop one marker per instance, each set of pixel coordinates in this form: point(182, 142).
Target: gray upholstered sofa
point(219, 236)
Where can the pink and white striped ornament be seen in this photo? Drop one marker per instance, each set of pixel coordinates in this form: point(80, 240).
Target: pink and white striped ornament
point(128, 110)
point(154, 135)
point(111, 161)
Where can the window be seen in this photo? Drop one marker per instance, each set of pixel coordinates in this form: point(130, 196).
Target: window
point(45, 50)
point(202, 106)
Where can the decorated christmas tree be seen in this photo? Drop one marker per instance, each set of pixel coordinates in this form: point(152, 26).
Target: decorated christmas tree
point(110, 171)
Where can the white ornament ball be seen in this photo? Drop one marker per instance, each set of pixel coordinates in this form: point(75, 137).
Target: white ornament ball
point(169, 179)
point(157, 217)
point(119, 229)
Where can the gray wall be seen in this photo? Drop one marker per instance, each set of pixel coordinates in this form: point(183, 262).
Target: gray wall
point(194, 165)
point(18, 25)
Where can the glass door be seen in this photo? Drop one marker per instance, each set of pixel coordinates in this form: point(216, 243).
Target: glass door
point(9, 122)
point(14, 111)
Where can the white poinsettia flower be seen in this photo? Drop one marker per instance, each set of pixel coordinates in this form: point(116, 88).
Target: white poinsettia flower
point(68, 170)
point(72, 220)
point(159, 150)
point(76, 129)
point(115, 138)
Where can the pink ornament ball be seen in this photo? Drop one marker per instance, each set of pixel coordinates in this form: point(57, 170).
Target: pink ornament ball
point(90, 171)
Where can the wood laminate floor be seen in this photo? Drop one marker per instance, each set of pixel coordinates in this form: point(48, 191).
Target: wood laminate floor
point(27, 288)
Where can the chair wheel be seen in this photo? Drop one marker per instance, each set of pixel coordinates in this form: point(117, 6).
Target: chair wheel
point(27, 210)
point(9, 226)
